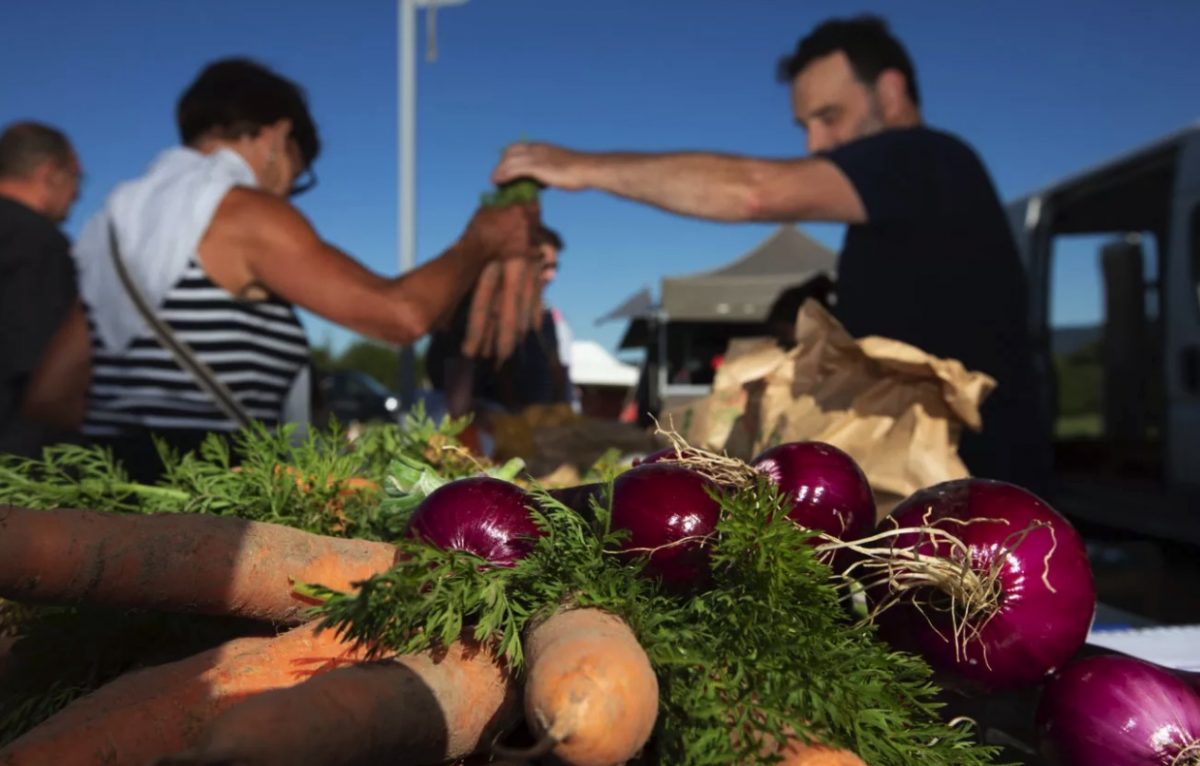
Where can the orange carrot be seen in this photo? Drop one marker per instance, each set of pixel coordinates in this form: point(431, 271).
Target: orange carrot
point(176, 562)
point(508, 319)
point(590, 690)
point(531, 288)
point(160, 710)
point(480, 317)
point(799, 754)
point(419, 708)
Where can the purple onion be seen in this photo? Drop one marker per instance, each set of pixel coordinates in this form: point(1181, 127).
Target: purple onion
point(1043, 599)
point(662, 504)
point(826, 488)
point(1119, 711)
point(480, 515)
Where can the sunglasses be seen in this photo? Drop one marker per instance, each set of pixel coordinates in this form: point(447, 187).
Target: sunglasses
point(307, 180)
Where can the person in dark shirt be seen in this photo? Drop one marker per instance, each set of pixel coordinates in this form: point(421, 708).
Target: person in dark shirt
point(928, 257)
point(39, 181)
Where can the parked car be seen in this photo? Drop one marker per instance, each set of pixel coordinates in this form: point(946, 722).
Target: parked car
point(353, 396)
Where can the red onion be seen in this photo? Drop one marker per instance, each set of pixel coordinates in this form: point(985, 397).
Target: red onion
point(826, 488)
point(1119, 711)
point(481, 515)
point(1192, 678)
point(1002, 593)
point(668, 512)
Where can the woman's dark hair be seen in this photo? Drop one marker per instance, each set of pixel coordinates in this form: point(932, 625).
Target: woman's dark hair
point(867, 43)
point(236, 97)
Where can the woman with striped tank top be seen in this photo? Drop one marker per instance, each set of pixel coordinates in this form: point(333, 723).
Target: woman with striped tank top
point(210, 241)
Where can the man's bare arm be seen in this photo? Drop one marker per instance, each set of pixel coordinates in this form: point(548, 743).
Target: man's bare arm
point(714, 186)
point(259, 240)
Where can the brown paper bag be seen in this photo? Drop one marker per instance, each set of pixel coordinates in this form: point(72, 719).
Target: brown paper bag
point(897, 410)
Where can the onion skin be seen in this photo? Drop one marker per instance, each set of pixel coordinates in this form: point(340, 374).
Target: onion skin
point(826, 488)
point(1034, 629)
point(661, 504)
point(1118, 711)
point(481, 515)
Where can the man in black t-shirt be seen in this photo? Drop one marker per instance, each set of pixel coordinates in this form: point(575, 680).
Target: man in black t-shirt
point(928, 257)
point(39, 181)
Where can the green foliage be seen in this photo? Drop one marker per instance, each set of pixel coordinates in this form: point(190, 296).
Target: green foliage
point(515, 192)
point(607, 467)
point(767, 651)
point(258, 475)
point(1080, 381)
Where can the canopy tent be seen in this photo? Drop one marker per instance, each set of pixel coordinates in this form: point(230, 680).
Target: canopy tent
point(742, 291)
point(746, 289)
point(592, 365)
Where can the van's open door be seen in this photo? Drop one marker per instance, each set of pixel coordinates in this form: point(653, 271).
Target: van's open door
point(1183, 325)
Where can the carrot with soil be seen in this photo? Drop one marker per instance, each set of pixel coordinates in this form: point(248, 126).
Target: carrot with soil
point(529, 301)
point(590, 691)
point(422, 708)
point(479, 318)
point(176, 562)
point(160, 710)
point(508, 310)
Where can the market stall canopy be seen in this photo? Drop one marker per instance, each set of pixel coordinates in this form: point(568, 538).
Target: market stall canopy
point(592, 365)
point(746, 289)
point(637, 306)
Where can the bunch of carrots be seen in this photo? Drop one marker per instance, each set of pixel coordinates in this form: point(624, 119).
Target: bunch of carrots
point(304, 695)
point(507, 299)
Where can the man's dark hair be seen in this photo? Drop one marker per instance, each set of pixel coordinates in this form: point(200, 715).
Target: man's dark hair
point(867, 43)
point(236, 97)
point(25, 145)
point(551, 237)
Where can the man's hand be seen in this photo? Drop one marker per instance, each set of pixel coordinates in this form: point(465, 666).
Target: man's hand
point(504, 232)
point(549, 164)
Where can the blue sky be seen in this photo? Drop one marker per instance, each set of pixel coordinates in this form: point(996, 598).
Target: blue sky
point(1040, 89)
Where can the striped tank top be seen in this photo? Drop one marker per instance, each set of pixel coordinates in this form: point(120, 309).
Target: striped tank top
point(257, 349)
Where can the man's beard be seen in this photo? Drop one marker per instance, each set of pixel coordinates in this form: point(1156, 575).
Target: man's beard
point(872, 122)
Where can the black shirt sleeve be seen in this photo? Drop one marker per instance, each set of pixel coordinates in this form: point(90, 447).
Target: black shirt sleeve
point(901, 175)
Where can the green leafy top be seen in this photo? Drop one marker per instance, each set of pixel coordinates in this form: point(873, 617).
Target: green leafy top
point(768, 650)
point(515, 192)
point(315, 483)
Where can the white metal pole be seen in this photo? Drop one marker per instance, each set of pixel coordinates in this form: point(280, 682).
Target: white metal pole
point(407, 200)
point(407, 100)
point(406, 35)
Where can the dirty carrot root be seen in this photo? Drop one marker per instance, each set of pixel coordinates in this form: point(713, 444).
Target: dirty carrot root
point(174, 562)
point(160, 710)
point(535, 305)
point(531, 287)
point(479, 317)
point(590, 691)
point(508, 320)
point(419, 709)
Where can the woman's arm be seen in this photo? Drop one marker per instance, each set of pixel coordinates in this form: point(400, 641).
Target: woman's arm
point(257, 239)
